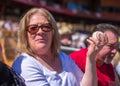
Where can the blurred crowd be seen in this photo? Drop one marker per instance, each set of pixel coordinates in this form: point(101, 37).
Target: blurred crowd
point(70, 35)
point(9, 25)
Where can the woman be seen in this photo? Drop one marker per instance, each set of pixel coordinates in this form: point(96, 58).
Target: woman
point(41, 63)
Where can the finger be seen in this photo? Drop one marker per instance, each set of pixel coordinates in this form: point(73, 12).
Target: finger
point(91, 40)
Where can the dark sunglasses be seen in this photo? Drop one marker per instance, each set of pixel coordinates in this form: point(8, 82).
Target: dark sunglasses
point(34, 28)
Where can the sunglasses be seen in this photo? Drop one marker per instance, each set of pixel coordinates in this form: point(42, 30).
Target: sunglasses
point(34, 28)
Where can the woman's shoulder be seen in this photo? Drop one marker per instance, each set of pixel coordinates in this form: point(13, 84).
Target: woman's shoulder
point(24, 58)
point(69, 64)
point(65, 58)
point(64, 55)
point(24, 62)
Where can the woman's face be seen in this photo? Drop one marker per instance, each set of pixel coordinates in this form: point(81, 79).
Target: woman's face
point(39, 41)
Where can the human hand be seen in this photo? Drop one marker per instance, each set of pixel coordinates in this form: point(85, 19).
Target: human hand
point(96, 43)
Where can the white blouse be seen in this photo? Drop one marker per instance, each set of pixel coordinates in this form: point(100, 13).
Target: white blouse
point(36, 74)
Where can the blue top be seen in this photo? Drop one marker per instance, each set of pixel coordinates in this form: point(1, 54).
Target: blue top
point(36, 74)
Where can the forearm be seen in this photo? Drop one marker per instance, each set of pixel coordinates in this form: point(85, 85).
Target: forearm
point(117, 81)
point(90, 75)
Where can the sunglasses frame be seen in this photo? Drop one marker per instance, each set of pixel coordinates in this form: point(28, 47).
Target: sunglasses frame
point(42, 26)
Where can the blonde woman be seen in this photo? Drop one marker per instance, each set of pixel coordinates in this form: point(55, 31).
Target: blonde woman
point(41, 63)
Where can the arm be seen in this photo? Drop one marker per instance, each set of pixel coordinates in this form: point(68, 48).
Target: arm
point(90, 75)
point(117, 78)
point(117, 81)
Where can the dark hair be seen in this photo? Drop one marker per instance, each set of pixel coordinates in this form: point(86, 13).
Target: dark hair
point(9, 76)
point(106, 27)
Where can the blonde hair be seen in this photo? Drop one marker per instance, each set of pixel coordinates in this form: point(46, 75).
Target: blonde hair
point(23, 45)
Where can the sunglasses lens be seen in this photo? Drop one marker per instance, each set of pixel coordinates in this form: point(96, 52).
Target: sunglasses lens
point(33, 29)
point(46, 28)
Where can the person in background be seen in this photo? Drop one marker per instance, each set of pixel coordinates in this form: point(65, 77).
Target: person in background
point(40, 61)
point(8, 76)
point(105, 70)
point(66, 36)
point(116, 64)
